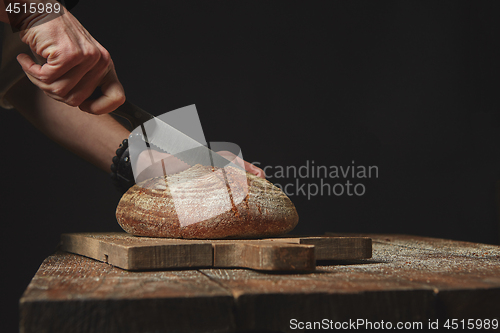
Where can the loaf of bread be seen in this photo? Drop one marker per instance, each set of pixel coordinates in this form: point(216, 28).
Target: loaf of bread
point(206, 203)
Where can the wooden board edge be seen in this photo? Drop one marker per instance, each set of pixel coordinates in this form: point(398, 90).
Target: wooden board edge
point(171, 256)
point(267, 256)
point(291, 253)
point(82, 244)
point(334, 247)
point(179, 254)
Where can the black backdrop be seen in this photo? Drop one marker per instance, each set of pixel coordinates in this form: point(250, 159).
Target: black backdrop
point(410, 87)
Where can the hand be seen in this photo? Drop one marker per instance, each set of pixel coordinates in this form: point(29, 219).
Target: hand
point(168, 164)
point(75, 63)
point(249, 167)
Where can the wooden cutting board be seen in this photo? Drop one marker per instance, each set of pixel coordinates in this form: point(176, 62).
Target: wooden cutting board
point(286, 253)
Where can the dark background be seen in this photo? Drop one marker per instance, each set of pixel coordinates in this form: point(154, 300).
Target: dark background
point(411, 87)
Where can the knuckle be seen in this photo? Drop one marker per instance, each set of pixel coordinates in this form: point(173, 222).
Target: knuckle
point(92, 54)
point(73, 55)
point(82, 54)
point(104, 60)
point(120, 99)
point(106, 57)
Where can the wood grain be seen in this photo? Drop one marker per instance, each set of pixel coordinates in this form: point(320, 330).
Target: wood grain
point(334, 248)
point(408, 279)
point(72, 293)
point(285, 253)
point(138, 253)
point(273, 256)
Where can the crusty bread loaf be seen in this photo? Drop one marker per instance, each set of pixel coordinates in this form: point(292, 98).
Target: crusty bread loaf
point(206, 203)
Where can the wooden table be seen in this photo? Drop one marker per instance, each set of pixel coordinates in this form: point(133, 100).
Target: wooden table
point(409, 279)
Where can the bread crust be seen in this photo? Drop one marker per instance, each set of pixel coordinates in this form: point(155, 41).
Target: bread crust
point(206, 203)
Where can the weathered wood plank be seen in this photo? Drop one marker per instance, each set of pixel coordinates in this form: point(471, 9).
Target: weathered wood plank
point(139, 253)
point(398, 284)
point(334, 248)
point(270, 301)
point(408, 279)
point(71, 293)
point(271, 256)
point(473, 250)
point(143, 253)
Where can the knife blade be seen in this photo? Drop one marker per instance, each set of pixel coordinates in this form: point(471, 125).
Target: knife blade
point(160, 135)
point(157, 134)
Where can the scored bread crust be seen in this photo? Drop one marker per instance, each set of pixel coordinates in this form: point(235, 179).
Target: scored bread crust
point(195, 204)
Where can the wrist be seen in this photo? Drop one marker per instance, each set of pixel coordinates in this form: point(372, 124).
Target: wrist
point(121, 169)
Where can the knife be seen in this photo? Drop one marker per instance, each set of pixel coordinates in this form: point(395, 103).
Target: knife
point(152, 133)
point(159, 135)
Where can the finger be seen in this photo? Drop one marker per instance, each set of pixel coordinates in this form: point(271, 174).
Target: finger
point(112, 97)
point(73, 87)
point(80, 90)
point(249, 167)
point(76, 85)
point(86, 86)
point(53, 69)
point(230, 157)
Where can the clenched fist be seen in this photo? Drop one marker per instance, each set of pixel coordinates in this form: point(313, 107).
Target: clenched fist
point(75, 64)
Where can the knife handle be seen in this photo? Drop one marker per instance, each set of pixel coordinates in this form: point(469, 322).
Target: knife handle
point(134, 114)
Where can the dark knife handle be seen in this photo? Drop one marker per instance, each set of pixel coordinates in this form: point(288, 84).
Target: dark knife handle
point(134, 114)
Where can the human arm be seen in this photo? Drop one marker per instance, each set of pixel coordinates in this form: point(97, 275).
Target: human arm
point(94, 138)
